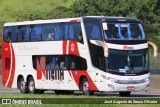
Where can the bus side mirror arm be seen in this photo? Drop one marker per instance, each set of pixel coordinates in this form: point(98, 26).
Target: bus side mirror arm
point(155, 48)
point(105, 47)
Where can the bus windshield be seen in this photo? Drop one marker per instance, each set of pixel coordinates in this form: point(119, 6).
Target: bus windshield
point(127, 61)
point(123, 31)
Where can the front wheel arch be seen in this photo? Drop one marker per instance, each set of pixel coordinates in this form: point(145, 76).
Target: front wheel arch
point(85, 87)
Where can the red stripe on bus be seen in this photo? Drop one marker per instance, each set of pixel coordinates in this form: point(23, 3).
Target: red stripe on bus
point(64, 47)
point(39, 74)
point(41, 66)
point(73, 48)
point(78, 73)
point(76, 20)
point(6, 56)
point(13, 68)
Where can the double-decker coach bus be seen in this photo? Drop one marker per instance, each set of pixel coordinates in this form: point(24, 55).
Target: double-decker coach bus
point(91, 54)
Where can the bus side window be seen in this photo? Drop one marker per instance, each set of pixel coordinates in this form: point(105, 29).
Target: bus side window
point(99, 62)
point(23, 34)
point(48, 32)
point(36, 33)
point(53, 63)
point(5, 34)
point(11, 33)
point(58, 32)
point(78, 63)
point(26, 33)
point(89, 28)
point(66, 32)
point(14, 34)
point(19, 37)
point(95, 35)
point(71, 32)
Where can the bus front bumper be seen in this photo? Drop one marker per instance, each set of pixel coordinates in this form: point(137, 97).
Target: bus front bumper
point(116, 87)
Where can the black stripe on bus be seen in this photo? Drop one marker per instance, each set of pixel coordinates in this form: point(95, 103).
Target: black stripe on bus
point(126, 42)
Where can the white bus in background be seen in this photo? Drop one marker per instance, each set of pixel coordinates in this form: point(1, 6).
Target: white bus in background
point(91, 54)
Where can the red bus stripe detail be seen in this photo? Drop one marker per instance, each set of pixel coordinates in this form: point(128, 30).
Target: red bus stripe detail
point(6, 54)
point(38, 67)
point(12, 69)
point(76, 20)
point(73, 48)
point(64, 47)
point(39, 74)
point(43, 65)
point(78, 73)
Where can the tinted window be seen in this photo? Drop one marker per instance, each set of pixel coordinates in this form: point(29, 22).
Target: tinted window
point(62, 62)
point(23, 34)
point(93, 29)
point(5, 34)
point(123, 31)
point(49, 32)
point(36, 32)
point(71, 31)
point(10, 33)
point(45, 32)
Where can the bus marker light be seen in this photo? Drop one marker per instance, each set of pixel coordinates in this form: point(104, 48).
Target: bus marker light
point(6, 49)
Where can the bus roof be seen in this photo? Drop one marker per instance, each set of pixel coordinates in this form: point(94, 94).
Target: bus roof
point(108, 18)
point(113, 19)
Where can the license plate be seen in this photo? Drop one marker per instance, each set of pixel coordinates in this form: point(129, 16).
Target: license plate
point(130, 88)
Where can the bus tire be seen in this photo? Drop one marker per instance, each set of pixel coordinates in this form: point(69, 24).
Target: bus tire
point(124, 94)
point(22, 86)
point(31, 86)
point(85, 87)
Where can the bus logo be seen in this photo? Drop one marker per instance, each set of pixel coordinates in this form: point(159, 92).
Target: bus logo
point(125, 47)
point(72, 47)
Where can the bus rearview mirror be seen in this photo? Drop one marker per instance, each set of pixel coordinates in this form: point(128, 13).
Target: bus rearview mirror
point(155, 48)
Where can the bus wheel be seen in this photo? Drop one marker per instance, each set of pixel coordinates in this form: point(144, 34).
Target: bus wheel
point(124, 94)
point(22, 86)
point(85, 87)
point(31, 86)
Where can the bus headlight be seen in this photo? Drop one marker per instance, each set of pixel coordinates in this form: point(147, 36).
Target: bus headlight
point(146, 79)
point(109, 78)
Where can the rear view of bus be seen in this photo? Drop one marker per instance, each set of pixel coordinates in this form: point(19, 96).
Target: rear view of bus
point(119, 48)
